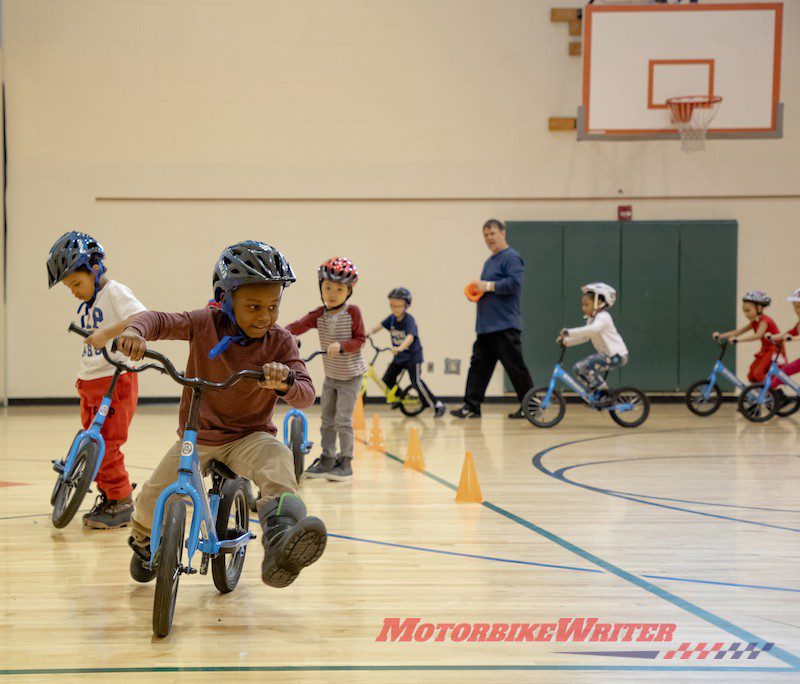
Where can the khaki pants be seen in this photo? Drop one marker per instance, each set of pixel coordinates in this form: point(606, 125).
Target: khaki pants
point(260, 457)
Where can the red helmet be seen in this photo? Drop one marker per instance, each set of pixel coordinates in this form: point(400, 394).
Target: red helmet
point(338, 270)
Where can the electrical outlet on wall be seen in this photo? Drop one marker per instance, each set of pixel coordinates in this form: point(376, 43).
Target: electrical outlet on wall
point(452, 366)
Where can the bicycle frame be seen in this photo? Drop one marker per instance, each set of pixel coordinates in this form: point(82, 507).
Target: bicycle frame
point(776, 372)
point(370, 374)
point(721, 369)
point(203, 528)
point(92, 433)
point(560, 375)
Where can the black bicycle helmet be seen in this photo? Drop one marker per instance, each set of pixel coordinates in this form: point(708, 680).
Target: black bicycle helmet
point(401, 293)
point(250, 263)
point(71, 251)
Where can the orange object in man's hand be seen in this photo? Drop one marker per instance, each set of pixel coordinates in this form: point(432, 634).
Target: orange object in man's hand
point(472, 292)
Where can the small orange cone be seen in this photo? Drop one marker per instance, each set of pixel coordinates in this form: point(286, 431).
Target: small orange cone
point(359, 421)
point(469, 491)
point(376, 435)
point(414, 457)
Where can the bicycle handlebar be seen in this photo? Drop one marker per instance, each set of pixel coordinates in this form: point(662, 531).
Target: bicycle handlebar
point(178, 377)
point(117, 364)
point(375, 347)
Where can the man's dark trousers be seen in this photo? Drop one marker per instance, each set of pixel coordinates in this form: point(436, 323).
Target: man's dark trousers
point(489, 348)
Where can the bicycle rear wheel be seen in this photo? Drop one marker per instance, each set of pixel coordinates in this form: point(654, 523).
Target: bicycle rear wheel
point(634, 416)
point(168, 570)
point(69, 493)
point(233, 520)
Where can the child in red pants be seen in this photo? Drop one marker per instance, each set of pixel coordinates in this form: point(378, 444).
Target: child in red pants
point(753, 305)
point(76, 259)
point(791, 367)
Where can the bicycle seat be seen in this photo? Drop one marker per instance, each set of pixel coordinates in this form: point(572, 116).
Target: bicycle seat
point(219, 468)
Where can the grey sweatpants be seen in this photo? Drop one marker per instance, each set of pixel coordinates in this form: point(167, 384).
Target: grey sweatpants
point(338, 401)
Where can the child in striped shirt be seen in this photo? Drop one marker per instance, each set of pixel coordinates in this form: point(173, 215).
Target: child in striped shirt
point(341, 335)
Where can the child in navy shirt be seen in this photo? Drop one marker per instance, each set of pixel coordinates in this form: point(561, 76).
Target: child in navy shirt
point(406, 348)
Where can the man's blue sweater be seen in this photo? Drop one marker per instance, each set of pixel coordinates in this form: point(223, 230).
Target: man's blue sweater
point(500, 310)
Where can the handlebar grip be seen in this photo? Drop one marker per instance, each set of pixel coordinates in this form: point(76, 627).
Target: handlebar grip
point(734, 341)
point(80, 331)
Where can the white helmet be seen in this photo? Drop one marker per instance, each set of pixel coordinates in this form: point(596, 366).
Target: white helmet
point(795, 296)
point(608, 293)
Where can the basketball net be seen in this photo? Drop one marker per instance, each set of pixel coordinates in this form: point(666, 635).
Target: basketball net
point(692, 115)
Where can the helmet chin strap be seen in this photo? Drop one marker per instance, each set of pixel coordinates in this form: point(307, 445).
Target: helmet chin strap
point(98, 274)
point(241, 339)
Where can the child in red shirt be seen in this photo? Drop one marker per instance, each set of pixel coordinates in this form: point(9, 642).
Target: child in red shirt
point(791, 367)
point(753, 305)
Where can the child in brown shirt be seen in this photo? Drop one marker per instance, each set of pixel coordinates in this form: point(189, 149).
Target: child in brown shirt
point(235, 425)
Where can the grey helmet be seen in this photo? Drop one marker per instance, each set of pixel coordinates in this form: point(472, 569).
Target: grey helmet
point(757, 297)
point(71, 251)
point(250, 263)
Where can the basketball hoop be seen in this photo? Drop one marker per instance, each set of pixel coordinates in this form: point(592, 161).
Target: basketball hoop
point(692, 115)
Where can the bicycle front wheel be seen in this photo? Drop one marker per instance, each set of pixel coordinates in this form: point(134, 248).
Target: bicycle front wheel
point(703, 399)
point(539, 415)
point(752, 408)
point(168, 570)
point(69, 493)
point(296, 442)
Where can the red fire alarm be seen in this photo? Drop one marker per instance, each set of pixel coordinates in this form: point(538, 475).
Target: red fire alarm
point(624, 212)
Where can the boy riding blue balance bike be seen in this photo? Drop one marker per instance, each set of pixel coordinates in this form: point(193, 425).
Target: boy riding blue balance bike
point(759, 402)
point(77, 471)
point(545, 406)
point(627, 406)
point(704, 397)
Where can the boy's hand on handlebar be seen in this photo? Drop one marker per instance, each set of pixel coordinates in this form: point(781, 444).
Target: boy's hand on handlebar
point(275, 375)
point(132, 344)
point(334, 348)
point(98, 339)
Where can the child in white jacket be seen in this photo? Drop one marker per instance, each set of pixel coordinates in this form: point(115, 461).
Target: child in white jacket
point(611, 353)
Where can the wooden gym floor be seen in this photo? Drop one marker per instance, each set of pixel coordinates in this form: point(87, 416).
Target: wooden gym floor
point(685, 521)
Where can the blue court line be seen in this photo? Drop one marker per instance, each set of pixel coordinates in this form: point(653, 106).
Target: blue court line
point(559, 475)
point(550, 565)
point(665, 498)
point(697, 611)
point(398, 668)
point(464, 555)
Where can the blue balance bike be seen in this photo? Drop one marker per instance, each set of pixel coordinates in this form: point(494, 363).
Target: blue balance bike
point(77, 471)
point(704, 397)
point(758, 402)
point(219, 526)
point(545, 407)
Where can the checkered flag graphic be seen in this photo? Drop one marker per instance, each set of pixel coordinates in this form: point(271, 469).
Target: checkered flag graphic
point(700, 652)
point(738, 650)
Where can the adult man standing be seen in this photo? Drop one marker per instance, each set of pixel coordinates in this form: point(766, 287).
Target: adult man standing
point(499, 324)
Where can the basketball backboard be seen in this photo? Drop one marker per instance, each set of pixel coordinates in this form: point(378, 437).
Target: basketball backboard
point(638, 56)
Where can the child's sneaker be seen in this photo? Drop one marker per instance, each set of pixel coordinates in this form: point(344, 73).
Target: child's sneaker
point(439, 409)
point(342, 471)
point(320, 467)
point(292, 540)
point(109, 513)
point(140, 561)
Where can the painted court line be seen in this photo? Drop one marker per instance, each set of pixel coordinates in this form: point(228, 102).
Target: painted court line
point(720, 622)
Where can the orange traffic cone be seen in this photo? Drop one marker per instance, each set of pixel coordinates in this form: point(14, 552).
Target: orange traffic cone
point(414, 457)
point(376, 435)
point(359, 422)
point(469, 491)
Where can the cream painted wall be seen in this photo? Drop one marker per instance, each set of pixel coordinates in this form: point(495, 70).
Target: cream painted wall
point(338, 101)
